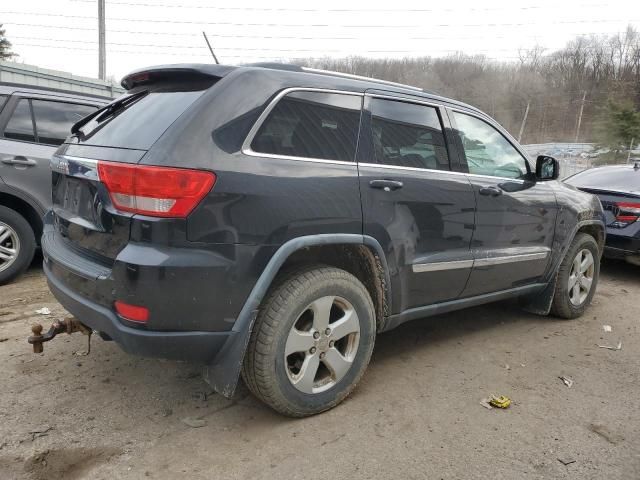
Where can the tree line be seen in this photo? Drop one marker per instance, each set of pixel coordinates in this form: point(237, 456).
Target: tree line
point(602, 70)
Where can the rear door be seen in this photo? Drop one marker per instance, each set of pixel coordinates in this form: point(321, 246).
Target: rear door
point(32, 128)
point(515, 216)
point(413, 204)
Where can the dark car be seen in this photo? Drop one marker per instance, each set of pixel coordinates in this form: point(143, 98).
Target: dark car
point(33, 122)
point(271, 220)
point(618, 187)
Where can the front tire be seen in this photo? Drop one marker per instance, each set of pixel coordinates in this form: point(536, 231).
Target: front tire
point(577, 278)
point(311, 342)
point(17, 244)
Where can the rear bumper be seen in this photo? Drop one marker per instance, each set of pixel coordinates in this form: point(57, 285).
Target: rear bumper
point(621, 246)
point(194, 346)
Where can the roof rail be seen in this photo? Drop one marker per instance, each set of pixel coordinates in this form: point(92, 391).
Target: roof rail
point(359, 77)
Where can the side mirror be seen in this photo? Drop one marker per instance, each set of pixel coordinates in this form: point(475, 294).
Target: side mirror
point(547, 168)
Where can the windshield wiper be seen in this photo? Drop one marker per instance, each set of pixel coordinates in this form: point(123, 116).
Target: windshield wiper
point(107, 110)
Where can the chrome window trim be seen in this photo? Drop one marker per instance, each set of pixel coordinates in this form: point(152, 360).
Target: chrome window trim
point(439, 266)
point(246, 145)
point(478, 262)
point(451, 172)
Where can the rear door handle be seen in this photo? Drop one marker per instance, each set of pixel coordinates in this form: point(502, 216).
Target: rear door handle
point(386, 185)
point(19, 160)
point(490, 191)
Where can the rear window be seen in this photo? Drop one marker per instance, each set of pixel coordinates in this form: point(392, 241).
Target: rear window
point(139, 123)
point(311, 125)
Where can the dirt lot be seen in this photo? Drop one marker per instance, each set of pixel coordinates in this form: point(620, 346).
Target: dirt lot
point(416, 414)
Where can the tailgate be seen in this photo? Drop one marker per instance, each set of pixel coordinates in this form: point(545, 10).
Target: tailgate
point(82, 211)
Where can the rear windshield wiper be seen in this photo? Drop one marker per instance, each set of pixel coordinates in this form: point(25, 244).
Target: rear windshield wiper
point(107, 110)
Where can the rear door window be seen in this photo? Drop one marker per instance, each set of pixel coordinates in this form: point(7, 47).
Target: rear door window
point(407, 135)
point(54, 119)
point(20, 125)
point(311, 125)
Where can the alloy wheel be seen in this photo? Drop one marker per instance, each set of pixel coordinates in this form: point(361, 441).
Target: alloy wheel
point(581, 277)
point(9, 246)
point(322, 344)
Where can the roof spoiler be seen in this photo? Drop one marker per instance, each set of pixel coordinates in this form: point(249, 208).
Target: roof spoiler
point(174, 72)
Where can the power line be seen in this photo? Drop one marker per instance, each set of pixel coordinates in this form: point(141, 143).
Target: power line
point(289, 37)
point(300, 25)
point(333, 10)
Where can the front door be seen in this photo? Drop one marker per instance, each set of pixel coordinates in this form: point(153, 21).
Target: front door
point(420, 211)
point(515, 216)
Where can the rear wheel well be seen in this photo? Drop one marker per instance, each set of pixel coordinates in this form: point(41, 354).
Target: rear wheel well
point(358, 260)
point(596, 232)
point(24, 209)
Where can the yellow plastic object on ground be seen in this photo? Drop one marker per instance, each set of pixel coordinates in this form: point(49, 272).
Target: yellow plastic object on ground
point(500, 402)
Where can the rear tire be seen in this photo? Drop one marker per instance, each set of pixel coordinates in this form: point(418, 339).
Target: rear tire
point(300, 361)
point(17, 244)
point(577, 278)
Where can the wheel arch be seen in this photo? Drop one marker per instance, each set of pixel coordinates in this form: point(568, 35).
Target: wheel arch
point(27, 209)
point(223, 373)
point(541, 302)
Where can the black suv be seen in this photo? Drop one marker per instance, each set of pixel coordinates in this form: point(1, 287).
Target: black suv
point(270, 220)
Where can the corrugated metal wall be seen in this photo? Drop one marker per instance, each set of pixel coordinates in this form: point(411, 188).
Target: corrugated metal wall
point(12, 72)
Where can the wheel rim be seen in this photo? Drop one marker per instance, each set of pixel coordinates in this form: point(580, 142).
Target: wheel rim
point(581, 277)
point(9, 246)
point(322, 344)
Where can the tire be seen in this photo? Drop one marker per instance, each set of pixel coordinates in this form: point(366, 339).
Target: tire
point(567, 302)
point(15, 234)
point(288, 319)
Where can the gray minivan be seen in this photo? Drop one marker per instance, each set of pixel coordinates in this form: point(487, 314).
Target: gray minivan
point(33, 122)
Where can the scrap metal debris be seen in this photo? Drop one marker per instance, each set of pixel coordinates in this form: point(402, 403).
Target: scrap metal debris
point(44, 311)
point(43, 432)
point(567, 381)
point(194, 422)
point(566, 461)
point(610, 347)
point(606, 328)
point(495, 401)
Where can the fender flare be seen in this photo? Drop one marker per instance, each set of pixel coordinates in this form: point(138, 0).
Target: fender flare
point(541, 302)
point(7, 190)
point(223, 373)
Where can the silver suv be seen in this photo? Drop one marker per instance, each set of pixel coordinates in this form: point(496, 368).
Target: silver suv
point(33, 122)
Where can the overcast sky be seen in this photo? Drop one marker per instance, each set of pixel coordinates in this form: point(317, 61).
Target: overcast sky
point(62, 34)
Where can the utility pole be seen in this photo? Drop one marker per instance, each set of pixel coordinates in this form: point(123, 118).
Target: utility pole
point(524, 121)
point(102, 51)
point(215, 59)
point(630, 148)
point(584, 95)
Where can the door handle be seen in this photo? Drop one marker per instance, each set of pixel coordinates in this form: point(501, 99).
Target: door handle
point(19, 160)
point(490, 191)
point(386, 185)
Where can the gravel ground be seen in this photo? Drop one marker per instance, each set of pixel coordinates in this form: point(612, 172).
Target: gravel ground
point(416, 414)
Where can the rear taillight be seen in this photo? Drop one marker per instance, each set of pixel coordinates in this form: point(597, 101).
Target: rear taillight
point(155, 191)
point(627, 212)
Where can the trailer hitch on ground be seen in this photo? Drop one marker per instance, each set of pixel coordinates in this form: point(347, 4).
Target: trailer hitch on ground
point(67, 325)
